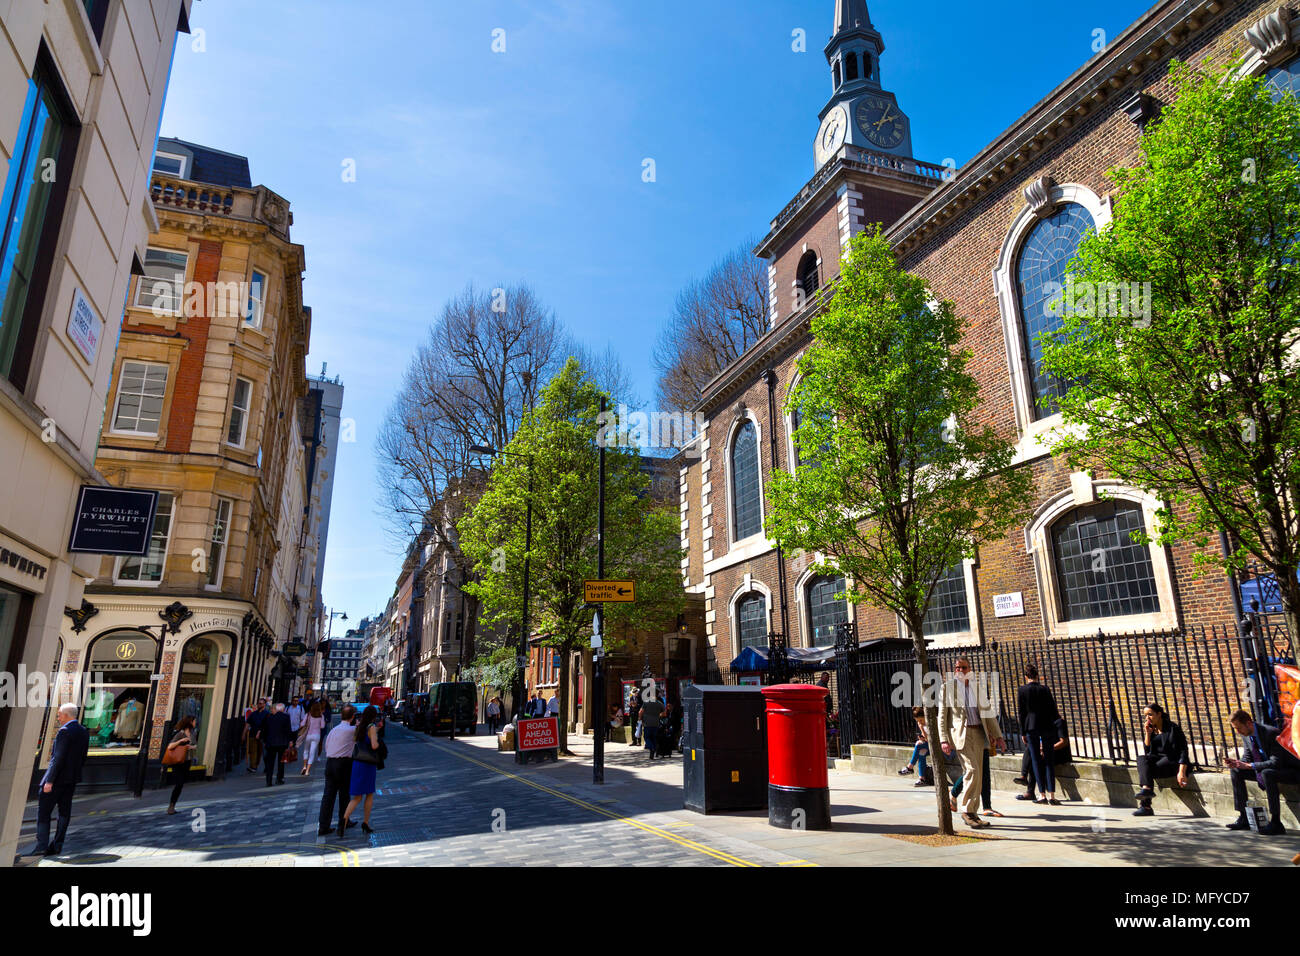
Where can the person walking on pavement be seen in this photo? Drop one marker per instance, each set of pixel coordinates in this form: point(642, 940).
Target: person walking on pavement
point(967, 727)
point(314, 726)
point(277, 734)
point(296, 715)
point(493, 714)
point(1038, 716)
point(67, 755)
point(367, 758)
point(650, 712)
point(338, 770)
point(1166, 755)
point(253, 732)
point(1269, 763)
point(180, 749)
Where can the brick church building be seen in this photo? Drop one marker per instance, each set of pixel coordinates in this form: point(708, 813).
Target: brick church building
point(990, 237)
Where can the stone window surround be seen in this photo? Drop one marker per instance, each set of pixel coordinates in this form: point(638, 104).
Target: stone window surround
point(759, 537)
point(1085, 491)
point(1271, 41)
point(801, 609)
point(747, 586)
point(149, 350)
point(1004, 284)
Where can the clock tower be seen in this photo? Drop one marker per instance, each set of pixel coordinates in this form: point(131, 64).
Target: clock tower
point(860, 111)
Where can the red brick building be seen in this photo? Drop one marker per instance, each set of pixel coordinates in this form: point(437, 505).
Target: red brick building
point(988, 237)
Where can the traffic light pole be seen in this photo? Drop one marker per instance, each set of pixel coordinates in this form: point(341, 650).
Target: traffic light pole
point(598, 635)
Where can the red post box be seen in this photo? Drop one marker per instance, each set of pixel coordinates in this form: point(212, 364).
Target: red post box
point(798, 793)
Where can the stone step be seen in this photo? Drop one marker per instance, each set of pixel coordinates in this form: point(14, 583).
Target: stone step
point(1100, 782)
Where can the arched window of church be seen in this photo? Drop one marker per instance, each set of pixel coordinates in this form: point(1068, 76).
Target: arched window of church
point(1285, 79)
point(751, 620)
point(825, 610)
point(1100, 570)
point(746, 498)
point(850, 66)
point(1040, 275)
point(866, 65)
point(808, 278)
point(835, 72)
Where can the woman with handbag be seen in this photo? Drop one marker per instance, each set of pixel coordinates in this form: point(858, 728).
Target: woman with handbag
point(176, 758)
point(367, 759)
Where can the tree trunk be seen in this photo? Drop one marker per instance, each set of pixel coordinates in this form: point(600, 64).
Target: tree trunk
point(932, 728)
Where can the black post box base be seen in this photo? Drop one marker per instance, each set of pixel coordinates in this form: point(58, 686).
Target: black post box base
point(814, 802)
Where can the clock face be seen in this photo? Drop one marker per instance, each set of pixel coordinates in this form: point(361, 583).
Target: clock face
point(881, 122)
point(831, 136)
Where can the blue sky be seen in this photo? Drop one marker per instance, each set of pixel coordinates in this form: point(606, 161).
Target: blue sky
point(526, 165)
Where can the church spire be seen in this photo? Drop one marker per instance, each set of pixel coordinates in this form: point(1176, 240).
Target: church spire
point(860, 111)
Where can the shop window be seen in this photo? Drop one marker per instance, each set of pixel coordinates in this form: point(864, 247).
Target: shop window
point(119, 669)
point(149, 569)
point(196, 686)
point(825, 611)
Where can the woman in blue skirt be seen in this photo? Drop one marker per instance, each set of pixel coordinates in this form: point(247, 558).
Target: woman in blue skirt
point(366, 761)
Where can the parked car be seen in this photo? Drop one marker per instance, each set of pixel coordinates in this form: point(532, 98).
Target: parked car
point(399, 711)
point(460, 698)
point(417, 712)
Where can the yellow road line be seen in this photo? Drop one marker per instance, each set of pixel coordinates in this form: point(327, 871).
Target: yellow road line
point(657, 831)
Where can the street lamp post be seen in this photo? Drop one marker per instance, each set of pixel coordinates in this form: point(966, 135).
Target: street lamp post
point(528, 547)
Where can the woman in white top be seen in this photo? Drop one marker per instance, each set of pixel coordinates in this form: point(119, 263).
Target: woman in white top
point(315, 727)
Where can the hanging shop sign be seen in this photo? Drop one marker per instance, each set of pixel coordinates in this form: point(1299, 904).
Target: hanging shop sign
point(113, 521)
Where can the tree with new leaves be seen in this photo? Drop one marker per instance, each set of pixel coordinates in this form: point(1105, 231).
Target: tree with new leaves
point(1195, 396)
point(897, 481)
point(557, 447)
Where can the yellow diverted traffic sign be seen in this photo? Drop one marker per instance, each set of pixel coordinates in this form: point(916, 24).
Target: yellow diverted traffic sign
point(609, 592)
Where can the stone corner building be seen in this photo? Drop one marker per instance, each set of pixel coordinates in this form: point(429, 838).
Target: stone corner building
point(206, 406)
point(990, 237)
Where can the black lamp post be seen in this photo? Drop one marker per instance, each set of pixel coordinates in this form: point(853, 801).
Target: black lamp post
point(528, 547)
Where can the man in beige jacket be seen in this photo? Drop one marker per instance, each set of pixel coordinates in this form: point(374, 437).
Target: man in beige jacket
point(967, 724)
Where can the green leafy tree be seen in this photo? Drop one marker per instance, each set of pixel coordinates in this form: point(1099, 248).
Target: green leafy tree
point(897, 482)
point(1193, 393)
point(557, 443)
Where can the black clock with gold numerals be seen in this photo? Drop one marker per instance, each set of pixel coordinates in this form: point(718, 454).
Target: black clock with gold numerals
point(881, 122)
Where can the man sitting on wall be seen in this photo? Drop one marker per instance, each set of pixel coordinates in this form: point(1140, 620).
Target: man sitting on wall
point(1269, 762)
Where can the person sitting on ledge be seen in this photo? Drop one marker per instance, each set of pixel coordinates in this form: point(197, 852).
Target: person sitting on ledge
point(1269, 762)
point(1166, 756)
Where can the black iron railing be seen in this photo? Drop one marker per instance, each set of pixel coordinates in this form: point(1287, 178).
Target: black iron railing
point(1101, 684)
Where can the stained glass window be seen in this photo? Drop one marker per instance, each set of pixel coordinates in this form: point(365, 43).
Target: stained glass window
point(747, 501)
point(824, 610)
point(1040, 275)
point(751, 617)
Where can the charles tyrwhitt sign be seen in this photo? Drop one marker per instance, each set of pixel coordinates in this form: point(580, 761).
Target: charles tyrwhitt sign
point(113, 521)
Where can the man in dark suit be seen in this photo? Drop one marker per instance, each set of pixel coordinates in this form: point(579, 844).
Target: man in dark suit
point(277, 733)
point(67, 755)
point(1269, 762)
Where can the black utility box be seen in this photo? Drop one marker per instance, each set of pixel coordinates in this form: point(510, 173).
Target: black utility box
point(724, 748)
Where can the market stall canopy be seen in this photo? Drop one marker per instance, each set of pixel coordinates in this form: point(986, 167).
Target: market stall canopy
point(801, 658)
